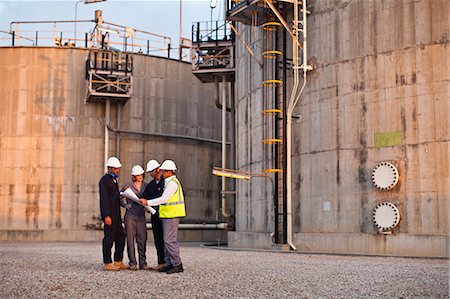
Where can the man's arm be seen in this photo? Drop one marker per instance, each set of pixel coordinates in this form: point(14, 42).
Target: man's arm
point(105, 205)
point(171, 188)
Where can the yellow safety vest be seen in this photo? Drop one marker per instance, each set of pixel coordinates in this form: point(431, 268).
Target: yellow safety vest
point(175, 206)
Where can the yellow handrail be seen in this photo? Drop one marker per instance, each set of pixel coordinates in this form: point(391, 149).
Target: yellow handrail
point(272, 53)
point(272, 141)
point(272, 111)
point(271, 26)
point(272, 170)
point(272, 82)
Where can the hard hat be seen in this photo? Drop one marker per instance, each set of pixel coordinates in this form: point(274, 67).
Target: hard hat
point(113, 162)
point(152, 165)
point(168, 165)
point(137, 170)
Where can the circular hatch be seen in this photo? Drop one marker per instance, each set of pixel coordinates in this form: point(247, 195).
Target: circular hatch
point(385, 176)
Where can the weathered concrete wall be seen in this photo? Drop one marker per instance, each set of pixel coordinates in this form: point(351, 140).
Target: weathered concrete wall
point(52, 142)
point(379, 67)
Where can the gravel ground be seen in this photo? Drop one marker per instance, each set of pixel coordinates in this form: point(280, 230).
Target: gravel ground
point(74, 270)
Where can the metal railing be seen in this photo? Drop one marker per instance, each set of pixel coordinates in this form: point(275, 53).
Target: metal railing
point(211, 31)
point(109, 36)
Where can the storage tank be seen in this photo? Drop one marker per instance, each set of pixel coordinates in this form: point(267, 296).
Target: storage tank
point(379, 92)
point(52, 141)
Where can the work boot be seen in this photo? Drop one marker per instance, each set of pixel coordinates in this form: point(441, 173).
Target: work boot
point(134, 267)
point(175, 269)
point(160, 266)
point(156, 268)
point(121, 266)
point(145, 267)
point(110, 267)
point(165, 268)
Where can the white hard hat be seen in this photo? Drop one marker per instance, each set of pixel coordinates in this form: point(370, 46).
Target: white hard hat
point(137, 170)
point(168, 165)
point(152, 165)
point(113, 162)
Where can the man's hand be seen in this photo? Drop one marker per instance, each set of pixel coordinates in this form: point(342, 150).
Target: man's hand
point(108, 221)
point(143, 201)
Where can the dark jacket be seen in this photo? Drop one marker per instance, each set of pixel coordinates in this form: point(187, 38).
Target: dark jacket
point(153, 190)
point(109, 197)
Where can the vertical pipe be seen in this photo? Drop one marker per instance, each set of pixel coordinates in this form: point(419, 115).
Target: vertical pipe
point(119, 114)
point(85, 39)
point(36, 38)
point(277, 136)
point(168, 51)
point(13, 37)
point(288, 125)
point(217, 30)
point(75, 24)
point(224, 142)
point(148, 47)
point(198, 33)
point(107, 112)
point(233, 129)
point(233, 140)
point(284, 136)
point(181, 29)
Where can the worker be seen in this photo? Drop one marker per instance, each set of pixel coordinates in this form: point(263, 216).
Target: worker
point(135, 225)
point(110, 213)
point(155, 189)
point(171, 209)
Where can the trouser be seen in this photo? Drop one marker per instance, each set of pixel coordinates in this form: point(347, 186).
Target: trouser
point(136, 231)
point(171, 246)
point(113, 234)
point(158, 236)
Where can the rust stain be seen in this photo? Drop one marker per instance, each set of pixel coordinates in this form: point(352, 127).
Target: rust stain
point(11, 203)
point(32, 205)
point(58, 205)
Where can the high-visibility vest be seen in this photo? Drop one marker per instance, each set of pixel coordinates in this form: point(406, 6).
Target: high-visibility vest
point(175, 206)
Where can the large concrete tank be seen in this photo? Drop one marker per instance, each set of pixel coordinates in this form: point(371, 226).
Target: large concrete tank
point(52, 142)
point(379, 91)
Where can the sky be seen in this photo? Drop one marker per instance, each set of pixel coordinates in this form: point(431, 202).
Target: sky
point(161, 17)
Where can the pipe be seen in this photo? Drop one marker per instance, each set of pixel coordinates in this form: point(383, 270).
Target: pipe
point(166, 135)
point(224, 147)
point(46, 22)
point(142, 31)
point(205, 226)
point(217, 100)
point(292, 102)
point(233, 139)
point(289, 128)
point(107, 117)
point(276, 149)
point(183, 226)
point(284, 137)
point(119, 114)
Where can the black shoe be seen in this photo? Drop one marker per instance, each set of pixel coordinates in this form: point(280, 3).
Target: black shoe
point(175, 269)
point(165, 269)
